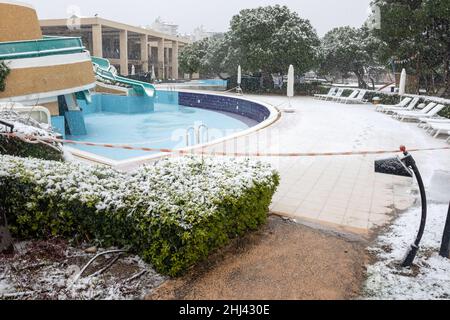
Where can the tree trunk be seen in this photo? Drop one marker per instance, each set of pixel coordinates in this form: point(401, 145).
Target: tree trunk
point(447, 70)
point(361, 83)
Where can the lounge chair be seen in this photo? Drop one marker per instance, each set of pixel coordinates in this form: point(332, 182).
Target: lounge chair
point(330, 93)
point(353, 95)
point(426, 123)
point(336, 96)
point(358, 99)
point(408, 107)
point(438, 128)
point(428, 112)
point(402, 104)
point(422, 108)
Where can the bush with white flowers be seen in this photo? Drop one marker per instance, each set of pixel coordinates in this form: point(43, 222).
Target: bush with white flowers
point(173, 213)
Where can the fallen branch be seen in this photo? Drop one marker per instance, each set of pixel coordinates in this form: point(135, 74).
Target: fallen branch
point(109, 265)
point(136, 276)
point(93, 259)
point(35, 266)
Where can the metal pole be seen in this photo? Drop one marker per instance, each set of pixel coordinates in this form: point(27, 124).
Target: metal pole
point(412, 253)
point(445, 247)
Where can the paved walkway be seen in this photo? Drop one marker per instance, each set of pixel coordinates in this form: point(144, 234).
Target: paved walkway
point(342, 191)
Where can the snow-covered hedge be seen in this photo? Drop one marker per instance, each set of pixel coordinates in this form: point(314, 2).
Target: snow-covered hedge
point(27, 126)
point(172, 213)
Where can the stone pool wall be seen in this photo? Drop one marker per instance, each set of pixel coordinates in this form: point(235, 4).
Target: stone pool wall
point(234, 105)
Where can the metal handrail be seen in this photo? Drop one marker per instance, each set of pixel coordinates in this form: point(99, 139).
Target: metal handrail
point(199, 132)
point(188, 130)
point(7, 124)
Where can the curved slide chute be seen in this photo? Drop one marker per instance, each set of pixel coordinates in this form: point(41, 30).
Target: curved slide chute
point(104, 70)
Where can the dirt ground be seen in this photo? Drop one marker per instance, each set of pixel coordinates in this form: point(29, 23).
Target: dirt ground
point(283, 261)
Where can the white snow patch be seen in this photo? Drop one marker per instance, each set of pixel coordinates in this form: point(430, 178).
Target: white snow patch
point(386, 280)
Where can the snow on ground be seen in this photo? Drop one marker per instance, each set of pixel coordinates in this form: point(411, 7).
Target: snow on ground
point(24, 124)
point(49, 270)
point(429, 278)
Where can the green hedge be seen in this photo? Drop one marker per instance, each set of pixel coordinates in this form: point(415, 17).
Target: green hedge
point(172, 213)
point(16, 147)
point(445, 113)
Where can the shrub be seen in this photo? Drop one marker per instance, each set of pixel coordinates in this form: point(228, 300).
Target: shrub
point(172, 213)
point(16, 147)
point(446, 112)
point(385, 98)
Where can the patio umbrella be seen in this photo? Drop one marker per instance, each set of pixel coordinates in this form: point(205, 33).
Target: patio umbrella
point(402, 87)
point(153, 73)
point(290, 85)
point(239, 77)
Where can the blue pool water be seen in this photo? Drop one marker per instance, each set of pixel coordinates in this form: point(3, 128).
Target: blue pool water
point(163, 127)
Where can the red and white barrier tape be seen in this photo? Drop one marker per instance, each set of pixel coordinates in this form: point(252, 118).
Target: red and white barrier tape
point(203, 152)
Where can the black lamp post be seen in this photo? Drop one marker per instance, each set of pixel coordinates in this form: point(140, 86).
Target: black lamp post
point(445, 247)
point(406, 167)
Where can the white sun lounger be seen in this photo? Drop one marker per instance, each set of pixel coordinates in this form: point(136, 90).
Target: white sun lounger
point(428, 112)
point(336, 96)
point(402, 104)
point(330, 93)
point(353, 95)
point(425, 123)
point(423, 110)
point(439, 128)
point(408, 107)
point(357, 99)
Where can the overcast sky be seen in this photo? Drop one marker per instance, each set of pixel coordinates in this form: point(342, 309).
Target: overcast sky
point(214, 15)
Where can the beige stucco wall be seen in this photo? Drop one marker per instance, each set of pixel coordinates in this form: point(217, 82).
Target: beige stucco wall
point(101, 89)
point(28, 81)
point(18, 23)
point(52, 107)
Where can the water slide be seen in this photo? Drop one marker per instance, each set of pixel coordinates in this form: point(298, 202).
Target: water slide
point(104, 70)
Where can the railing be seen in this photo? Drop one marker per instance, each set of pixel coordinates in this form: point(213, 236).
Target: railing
point(38, 113)
point(8, 125)
point(188, 136)
point(197, 134)
point(46, 46)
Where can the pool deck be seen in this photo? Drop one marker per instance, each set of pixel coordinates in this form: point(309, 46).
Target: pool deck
point(342, 192)
point(339, 192)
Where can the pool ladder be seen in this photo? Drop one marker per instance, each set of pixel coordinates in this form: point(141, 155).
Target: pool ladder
point(197, 134)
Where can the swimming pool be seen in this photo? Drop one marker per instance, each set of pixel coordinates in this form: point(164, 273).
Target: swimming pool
point(163, 126)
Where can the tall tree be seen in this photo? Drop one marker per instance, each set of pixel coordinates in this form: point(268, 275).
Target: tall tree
point(348, 50)
point(417, 33)
point(191, 56)
point(269, 39)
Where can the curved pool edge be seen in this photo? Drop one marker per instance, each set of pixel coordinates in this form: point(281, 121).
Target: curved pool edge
point(274, 116)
